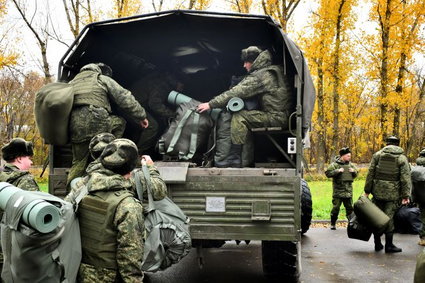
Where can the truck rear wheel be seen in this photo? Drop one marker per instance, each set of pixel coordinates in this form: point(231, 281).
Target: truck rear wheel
point(306, 207)
point(281, 261)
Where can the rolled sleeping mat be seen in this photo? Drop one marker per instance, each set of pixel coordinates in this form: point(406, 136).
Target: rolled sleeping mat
point(235, 104)
point(176, 98)
point(370, 215)
point(38, 213)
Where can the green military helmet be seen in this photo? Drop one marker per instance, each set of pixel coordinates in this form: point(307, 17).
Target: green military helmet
point(106, 70)
point(250, 54)
point(17, 147)
point(421, 159)
point(99, 142)
point(392, 140)
point(120, 156)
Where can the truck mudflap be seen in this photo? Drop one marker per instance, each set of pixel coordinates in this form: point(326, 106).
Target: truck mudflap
point(237, 203)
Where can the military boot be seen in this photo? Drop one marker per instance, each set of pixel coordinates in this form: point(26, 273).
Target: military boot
point(333, 222)
point(378, 244)
point(389, 246)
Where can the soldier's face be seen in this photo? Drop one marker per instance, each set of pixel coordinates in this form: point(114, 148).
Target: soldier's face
point(247, 66)
point(346, 157)
point(24, 163)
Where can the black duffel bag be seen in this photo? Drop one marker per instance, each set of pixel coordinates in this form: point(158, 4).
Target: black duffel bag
point(357, 231)
point(407, 220)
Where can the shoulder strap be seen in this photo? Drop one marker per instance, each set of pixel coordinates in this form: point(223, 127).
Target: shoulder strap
point(179, 129)
point(193, 139)
point(147, 175)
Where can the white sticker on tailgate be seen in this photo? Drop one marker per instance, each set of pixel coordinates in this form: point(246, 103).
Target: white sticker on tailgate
point(215, 204)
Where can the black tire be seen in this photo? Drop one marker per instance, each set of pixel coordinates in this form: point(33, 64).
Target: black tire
point(306, 207)
point(280, 261)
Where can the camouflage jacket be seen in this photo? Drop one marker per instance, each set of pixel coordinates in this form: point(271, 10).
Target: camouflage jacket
point(267, 82)
point(21, 179)
point(121, 97)
point(389, 190)
point(418, 181)
point(341, 189)
point(129, 223)
point(152, 92)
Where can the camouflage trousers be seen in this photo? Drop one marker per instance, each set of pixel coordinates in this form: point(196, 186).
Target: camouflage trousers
point(348, 204)
point(244, 120)
point(85, 123)
point(149, 136)
point(90, 274)
point(389, 208)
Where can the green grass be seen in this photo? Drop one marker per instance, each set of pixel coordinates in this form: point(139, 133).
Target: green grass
point(321, 193)
point(44, 187)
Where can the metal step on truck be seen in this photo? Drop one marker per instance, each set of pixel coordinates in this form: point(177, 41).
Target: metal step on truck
point(268, 201)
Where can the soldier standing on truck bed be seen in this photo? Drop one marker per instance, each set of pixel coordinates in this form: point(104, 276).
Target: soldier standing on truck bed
point(265, 81)
point(94, 88)
point(343, 173)
point(388, 180)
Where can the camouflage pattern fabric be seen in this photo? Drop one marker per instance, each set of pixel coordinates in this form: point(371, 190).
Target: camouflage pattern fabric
point(341, 189)
point(159, 188)
point(389, 190)
point(129, 223)
point(336, 202)
point(265, 81)
point(422, 217)
point(389, 208)
point(20, 179)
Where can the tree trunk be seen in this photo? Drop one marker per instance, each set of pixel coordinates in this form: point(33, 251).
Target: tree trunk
point(321, 134)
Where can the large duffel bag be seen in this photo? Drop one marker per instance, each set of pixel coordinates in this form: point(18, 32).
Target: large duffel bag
point(187, 132)
point(40, 237)
point(369, 215)
point(407, 220)
point(357, 231)
point(52, 109)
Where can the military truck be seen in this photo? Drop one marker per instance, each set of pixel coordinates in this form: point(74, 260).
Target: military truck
point(268, 202)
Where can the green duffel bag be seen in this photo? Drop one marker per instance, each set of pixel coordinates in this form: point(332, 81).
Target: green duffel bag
point(370, 215)
point(420, 268)
point(52, 109)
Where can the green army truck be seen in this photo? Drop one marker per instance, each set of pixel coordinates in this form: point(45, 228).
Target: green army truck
point(268, 202)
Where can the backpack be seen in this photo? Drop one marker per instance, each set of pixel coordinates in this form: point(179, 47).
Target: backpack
point(52, 109)
point(40, 237)
point(187, 132)
point(167, 231)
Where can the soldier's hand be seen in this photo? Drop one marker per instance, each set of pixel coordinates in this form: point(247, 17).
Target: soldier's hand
point(203, 107)
point(366, 195)
point(351, 170)
point(144, 123)
point(341, 170)
point(405, 201)
point(146, 159)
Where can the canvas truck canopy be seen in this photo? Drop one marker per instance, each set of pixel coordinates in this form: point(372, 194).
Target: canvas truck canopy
point(202, 46)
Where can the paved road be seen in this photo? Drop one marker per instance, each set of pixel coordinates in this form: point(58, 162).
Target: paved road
point(327, 256)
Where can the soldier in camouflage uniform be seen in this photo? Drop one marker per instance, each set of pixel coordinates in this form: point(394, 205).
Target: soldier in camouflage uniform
point(17, 153)
point(342, 172)
point(152, 92)
point(112, 248)
point(91, 114)
point(418, 192)
point(265, 81)
point(389, 181)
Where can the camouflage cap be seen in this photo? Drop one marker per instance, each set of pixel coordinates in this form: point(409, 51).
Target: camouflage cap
point(17, 147)
point(120, 156)
point(250, 54)
point(99, 142)
point(344, 151)
point(392, 140)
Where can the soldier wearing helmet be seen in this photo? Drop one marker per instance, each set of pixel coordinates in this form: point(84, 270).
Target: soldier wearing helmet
point(389, 182)
point(94, 90)
point(265, 81)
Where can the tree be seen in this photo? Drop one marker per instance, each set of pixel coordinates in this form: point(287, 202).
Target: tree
point(126, 8)
point(241, 6)
point(7, 58)
point(38, 29)
point(281, 10)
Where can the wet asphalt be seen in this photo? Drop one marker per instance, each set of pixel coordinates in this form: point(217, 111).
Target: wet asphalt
point(326, 255)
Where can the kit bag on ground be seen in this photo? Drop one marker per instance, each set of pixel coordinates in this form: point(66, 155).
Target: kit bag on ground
point(187, 132)
point(407, 220)
point(52, 109)
point(33, 256)
point(369, 215)
point(167, 229)
point(357, 231)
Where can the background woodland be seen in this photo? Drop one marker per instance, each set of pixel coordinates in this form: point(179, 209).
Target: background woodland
point(366, 58)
